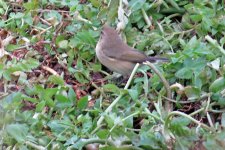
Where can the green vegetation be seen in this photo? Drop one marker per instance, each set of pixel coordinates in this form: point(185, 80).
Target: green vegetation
point(54, 93)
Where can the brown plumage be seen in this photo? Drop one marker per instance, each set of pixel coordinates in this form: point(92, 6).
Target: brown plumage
point(113, 53)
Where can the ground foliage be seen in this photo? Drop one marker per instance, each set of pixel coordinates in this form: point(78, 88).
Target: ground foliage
point(55, 93)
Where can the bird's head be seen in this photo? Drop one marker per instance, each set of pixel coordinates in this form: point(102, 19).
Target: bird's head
point(109, 33)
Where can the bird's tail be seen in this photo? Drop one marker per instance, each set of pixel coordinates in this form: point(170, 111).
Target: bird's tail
point(157, 59)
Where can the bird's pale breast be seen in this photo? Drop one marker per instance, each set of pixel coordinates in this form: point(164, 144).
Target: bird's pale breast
point(120, 66)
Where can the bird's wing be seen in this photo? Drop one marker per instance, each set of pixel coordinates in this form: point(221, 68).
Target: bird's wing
point(131, 55)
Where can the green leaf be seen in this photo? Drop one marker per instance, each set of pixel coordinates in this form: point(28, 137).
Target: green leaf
point(3, 4)
point(103, 134)
point(18, 131)
point(58, 80)
point(86, 37)
point(2, 24)
point(96, 67)
point(192, 92)
point(95, 3)
point(86, 123)
point(112, 12)
point(72, 95)
point(217, 85)
point(133, 94)
point(63, 101)
point(58, 126)
point(63, 44)
point(149, 141)
point(136, 4)
point(215, 141)
point(72, 140)
point(82, 103)
point(33, 4)
point(111, 88)
point(40, 106)
point(184, 73)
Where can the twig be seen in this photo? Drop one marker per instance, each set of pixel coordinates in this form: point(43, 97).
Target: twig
point(168, 105)
point(197, 111)
point(50, 70)
point(45, 22)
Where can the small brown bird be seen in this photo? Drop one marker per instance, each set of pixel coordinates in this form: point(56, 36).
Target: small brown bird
point(113, 53)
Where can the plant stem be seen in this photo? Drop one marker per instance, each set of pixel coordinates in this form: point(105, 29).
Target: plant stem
point(154, 116)
point(38, 147)
point(119, 97)
point(187, 116)
point(100, 141)
point(146, 18)
point(168, 105)
point(197, 111)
